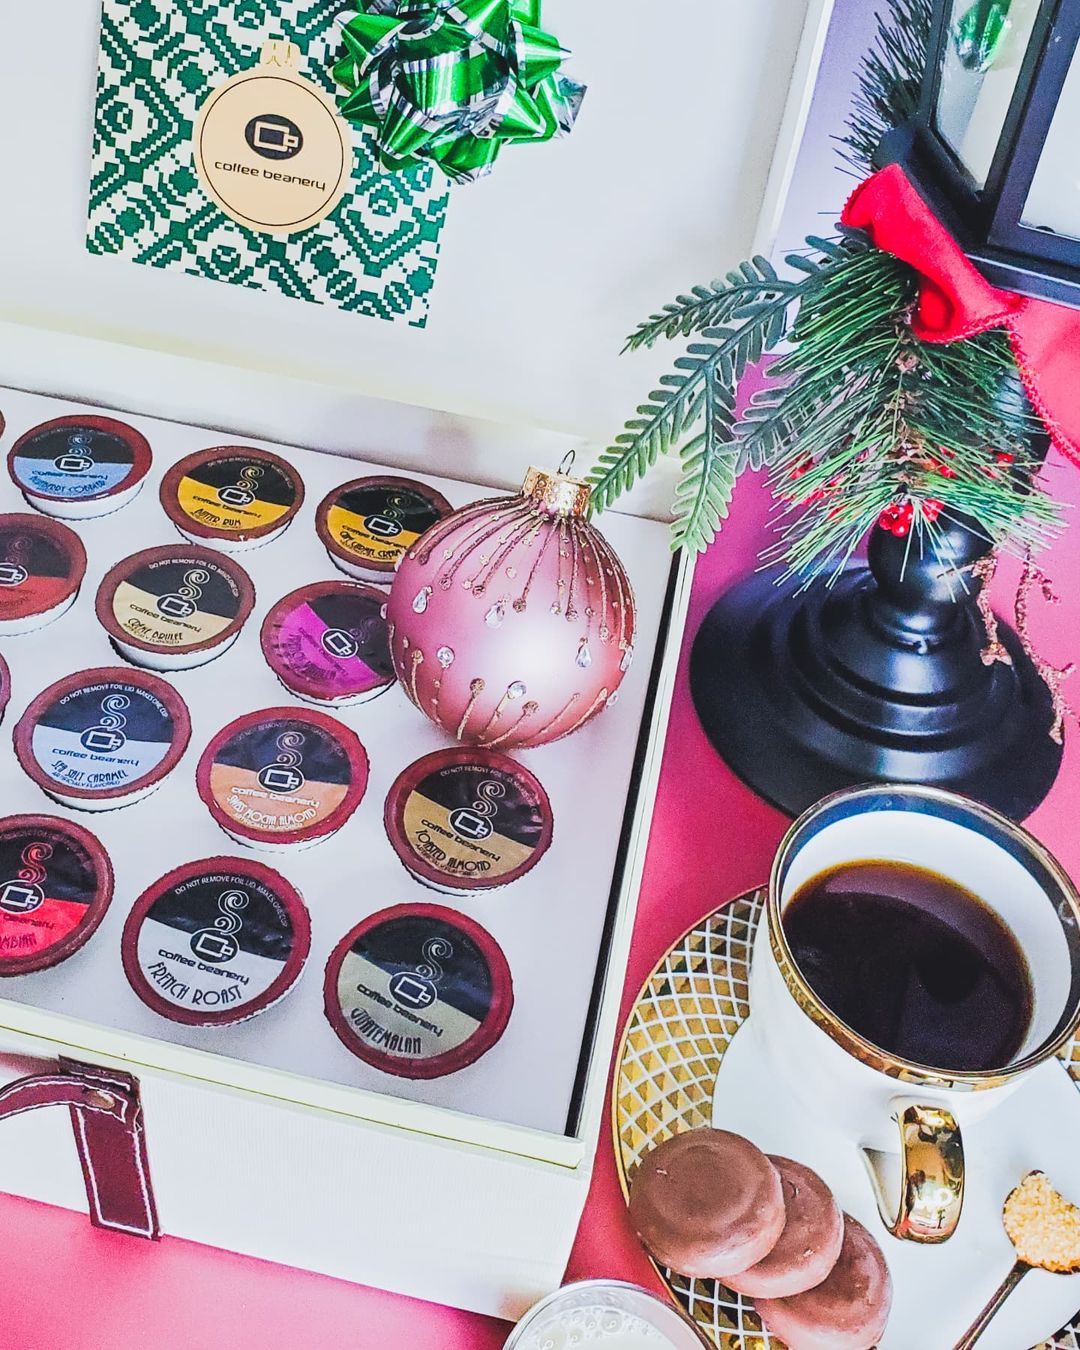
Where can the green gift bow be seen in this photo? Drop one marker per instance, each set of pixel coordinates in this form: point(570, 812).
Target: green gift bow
point(454, 81)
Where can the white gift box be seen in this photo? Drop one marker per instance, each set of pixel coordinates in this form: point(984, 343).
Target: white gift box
point(269, 1139)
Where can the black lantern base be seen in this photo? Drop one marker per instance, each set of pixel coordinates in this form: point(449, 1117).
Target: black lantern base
point(804, 694)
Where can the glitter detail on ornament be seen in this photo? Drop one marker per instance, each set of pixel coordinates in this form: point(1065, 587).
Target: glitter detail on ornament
point(584, 655)
point(445, 657)
point(495, 615)
point(605, 633)
point(420, 603)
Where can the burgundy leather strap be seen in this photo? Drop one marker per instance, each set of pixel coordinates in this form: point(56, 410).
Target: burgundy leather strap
point(106, 1115)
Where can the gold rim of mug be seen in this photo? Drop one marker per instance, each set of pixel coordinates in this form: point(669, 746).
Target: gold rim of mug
point(905, 1070)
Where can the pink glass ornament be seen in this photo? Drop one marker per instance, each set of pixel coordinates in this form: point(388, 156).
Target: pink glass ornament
point(512, 621)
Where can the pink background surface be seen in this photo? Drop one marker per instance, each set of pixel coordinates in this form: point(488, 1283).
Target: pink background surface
point(65, 1284)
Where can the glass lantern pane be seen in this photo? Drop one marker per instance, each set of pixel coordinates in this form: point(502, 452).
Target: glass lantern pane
point(1054, 200)
point(984, 53)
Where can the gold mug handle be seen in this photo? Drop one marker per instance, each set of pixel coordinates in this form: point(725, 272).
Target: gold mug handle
point(926, 1207)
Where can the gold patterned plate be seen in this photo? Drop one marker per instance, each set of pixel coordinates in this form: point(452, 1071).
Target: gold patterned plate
point(678, 1032)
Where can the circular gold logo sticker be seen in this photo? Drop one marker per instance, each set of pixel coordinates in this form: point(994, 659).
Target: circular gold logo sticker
point(270, 148)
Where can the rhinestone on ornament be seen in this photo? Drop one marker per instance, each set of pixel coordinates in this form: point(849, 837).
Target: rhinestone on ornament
point(420, 603)
point(495, 615)
point(584, 655)
point(445, 657)
point(516, 690)
point(628, 656)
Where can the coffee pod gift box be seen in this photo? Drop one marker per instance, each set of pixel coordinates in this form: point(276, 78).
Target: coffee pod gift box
point(279, 817)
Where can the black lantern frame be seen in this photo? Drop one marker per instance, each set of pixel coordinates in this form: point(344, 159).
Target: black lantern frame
point(987, 221)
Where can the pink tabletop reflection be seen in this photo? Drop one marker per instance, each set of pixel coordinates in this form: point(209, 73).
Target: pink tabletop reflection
point(66, 1285)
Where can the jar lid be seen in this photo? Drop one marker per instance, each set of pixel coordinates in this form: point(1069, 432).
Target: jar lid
point(79, 459)
point(56, 882)
point(370, 522)
point(103, 734)
point(231, 493)
point(175, 598)
point(216, 942)
point(468, 819)
point(329, 641)
point(418, 991)
point(42, 564)
point(283, 775)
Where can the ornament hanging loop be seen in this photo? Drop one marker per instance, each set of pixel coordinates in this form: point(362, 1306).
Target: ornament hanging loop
point(566, 464)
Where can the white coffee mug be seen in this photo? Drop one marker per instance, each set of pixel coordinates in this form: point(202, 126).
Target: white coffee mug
point(862, 1089)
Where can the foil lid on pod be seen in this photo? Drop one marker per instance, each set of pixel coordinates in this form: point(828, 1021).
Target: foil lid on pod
point(42, 565)
point(418, 991)
point(283, 777)
point(103, 738)
point(175, 606)
point(56, 883)
point(80, 466)
point(367, 525)
point(216, 942)
point(328, 643)
point(232, 496)
point(468, 819)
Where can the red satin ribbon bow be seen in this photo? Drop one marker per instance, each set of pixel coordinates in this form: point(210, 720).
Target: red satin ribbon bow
point(956, 301)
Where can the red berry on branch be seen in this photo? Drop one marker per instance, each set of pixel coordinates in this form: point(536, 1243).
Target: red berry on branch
point(800, 469)
point(1003, 457)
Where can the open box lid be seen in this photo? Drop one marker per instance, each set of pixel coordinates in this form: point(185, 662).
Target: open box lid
point(544, 267)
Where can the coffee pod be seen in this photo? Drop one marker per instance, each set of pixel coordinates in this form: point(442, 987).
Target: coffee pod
point(56, 882)
point(81, 466)
point(5, 687)
point(103, 738)
point(468, 819)
point(216, 942)
point(418, 991)
point(42, 565)
point(283, 778)
point(367, 525)
point(328, 643)
point(174, 607)
point(233, 497)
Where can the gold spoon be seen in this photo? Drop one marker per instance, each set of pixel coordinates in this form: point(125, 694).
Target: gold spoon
point(1044, 1228)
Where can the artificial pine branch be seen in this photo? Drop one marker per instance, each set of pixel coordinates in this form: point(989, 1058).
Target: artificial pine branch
point(889, 76)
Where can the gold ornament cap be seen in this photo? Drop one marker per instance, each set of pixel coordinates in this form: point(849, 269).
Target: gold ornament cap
point(557, 492)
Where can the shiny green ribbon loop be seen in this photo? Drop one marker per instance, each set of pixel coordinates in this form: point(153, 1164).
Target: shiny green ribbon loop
point(453, 81)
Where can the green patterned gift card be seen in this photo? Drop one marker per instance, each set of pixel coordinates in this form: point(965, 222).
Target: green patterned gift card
point(161, 61)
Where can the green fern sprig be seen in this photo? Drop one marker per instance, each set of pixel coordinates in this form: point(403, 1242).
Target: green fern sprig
point(737, 296)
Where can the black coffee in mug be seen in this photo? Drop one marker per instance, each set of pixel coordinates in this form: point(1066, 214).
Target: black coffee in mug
point(914, 963)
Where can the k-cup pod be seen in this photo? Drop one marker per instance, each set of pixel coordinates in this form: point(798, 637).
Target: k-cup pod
point(283, 778)
point(216, 942)
point(367, 525)
point(468, 819)
point(56, 882)
point(42, 565)
point(418, 991)
point(174, 607)
point(103, 738)
point(233, 496)
point(80, 466)
point(328, 643)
